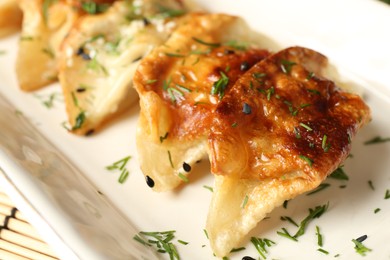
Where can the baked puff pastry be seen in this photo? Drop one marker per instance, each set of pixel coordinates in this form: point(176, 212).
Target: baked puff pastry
point(180, 83)
point(10, 17)
point(45, 25)
point(279, 132)
point(99, 57)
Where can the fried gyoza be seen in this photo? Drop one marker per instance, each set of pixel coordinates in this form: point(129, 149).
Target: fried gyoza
point(179, 84)
point(101, 53)
point(292, 128)
point(45, 25)
point(10, 17)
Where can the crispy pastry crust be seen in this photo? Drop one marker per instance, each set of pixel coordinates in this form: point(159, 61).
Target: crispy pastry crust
point(99, 57)
point(277, 149)
point(41, 37)
point(175, 83)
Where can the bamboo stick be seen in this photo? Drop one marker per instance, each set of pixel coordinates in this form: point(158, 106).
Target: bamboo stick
point(19, 226)
point(8, 255)
point(19, 250)
point(26, 242)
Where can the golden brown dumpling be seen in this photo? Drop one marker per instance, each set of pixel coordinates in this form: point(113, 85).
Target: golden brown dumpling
point(179, 84)
point(10, 17)
point(279, 132)
point(100, 55)
point(45, 25)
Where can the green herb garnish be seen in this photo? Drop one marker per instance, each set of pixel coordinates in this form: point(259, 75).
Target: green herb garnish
point(306, 159)
point(220, 85)
point(211, 44)
point(26, 38)
point(310, 76)
point(325, 146)
point(123, 177)
point(321, 187)
point(377, 210)
point(323, 251)
point(183, 177)
point(308, 128)
point(150, 81)
point(314, 91)
point(166, 83)
point(313, 213)
point(182, 88)
point(48, 101)
point(91, 7)
point(270, 92)
point(120, 164)
point(286, 66)
point(286, 234)
point(286, 218)
point(206, 234)
point(96, 66)
point(176, 55)
point(245, 201)
point(162, 241)
point(237, 249)
point(377, 140)
point(360, 248)
point(297, 133)
point(261, 245)
point(170, 159)
point(387, 194)
point(208, 187)
point(241, 46)
point(319, 237)
point(294, 111)
point(174, 94)
point(49, 52)
point(162, 138)
point(80, 119)
point(371, 185)
point(165, 12)
point(339, 174)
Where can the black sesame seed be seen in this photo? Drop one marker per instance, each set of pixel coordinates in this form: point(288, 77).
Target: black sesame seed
point(362, 238)
point(81, 52)
point(80, 90)
point(246, 109)
point(146, 21)
point(227, 51)
point(248, 258)
point(186, 167)
point(149, 181)
point(137, 59)
point(244, 66)
point(89, 132)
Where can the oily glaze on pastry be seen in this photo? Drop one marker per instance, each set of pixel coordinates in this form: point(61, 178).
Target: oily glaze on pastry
point(179, 84)
point(279, 132)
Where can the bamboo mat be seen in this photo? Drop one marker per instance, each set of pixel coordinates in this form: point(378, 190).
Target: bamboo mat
point(18, 239)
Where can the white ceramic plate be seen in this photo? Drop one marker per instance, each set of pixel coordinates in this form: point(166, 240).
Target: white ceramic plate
point(60, 180)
